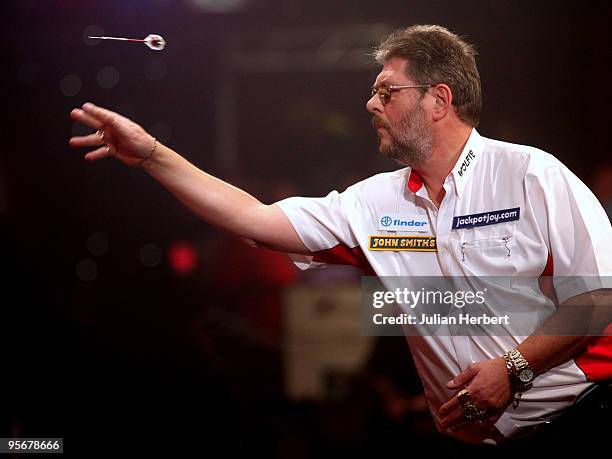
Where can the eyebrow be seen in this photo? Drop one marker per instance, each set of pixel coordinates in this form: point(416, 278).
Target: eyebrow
point(384, 82)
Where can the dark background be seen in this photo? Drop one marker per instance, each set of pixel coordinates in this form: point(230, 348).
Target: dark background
point(106, 278)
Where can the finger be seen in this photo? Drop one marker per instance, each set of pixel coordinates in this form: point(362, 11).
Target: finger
point(460, 425)
point(452, 419)
point(456, 420)
point(463, 378)
point(106, 116)
point(449, 406)
point(99, 153)
point(79, 115)
point(91, 140)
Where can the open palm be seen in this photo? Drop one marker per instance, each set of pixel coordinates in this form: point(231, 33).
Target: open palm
point(117, 136)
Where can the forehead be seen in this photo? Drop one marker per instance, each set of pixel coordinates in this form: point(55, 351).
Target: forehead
point(393, 71)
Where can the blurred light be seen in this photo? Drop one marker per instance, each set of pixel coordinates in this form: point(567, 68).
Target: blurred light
point(97, 244)
point(108, 77)
point(337, 125)
point(93, 30)
point(87, 270)
point(155, 69)
point(28, 72)
point(182, 257)
point(161, 130)
point(220, 6)
point(150, 255)
point(71, 85)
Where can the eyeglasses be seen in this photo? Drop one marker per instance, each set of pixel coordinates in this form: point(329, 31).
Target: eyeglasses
point(384, 91)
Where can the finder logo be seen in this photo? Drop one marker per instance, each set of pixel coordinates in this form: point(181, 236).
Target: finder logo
point(386, 221)
point(412, 223)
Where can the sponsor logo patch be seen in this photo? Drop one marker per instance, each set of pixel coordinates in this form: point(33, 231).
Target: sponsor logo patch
point(410, 223)
point(486, 218)
point(405, 243)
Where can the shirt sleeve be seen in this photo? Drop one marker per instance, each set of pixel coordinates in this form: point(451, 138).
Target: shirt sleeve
point(576, 228)
point(323, 227)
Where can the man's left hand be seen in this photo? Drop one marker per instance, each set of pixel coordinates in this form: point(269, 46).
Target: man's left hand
point(489, 386)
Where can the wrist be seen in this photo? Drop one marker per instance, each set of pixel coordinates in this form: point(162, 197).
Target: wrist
point(519, 370)
point(147, 159)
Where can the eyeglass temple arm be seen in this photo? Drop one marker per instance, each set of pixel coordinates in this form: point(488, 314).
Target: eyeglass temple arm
point(404, 86)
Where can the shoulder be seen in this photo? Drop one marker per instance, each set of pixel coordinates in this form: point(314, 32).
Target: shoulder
point(381, 182)
point(374, 190)
point(525, 159)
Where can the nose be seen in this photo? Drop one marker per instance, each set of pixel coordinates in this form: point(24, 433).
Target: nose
point(374, 105)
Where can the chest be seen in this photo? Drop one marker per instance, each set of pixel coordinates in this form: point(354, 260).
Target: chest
point(482, 231)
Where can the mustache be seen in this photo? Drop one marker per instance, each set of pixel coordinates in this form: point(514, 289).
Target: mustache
point(377, 122)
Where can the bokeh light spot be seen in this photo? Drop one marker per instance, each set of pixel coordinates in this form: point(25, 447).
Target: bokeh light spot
point(108, 77)
point(93, 30)
point(71, 85)
point(182, 257)
point(87, 270)
point(150, 255)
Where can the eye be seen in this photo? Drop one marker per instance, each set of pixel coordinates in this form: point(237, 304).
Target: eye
point(384, 94)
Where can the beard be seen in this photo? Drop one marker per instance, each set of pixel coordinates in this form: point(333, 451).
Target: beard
point(410, 142)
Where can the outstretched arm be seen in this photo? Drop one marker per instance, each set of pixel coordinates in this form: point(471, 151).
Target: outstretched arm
point(217, 202)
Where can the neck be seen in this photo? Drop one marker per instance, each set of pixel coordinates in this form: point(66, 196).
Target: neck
point(444, 155)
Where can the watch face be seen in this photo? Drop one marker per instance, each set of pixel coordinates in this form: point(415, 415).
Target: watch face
point(526, 375)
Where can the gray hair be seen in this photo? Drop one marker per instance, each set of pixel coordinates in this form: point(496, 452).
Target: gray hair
point(436, 55)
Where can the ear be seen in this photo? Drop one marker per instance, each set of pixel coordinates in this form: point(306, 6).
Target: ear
point(443, 101)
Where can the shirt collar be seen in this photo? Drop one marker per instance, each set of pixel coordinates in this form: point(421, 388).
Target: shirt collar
point(461, 170)
point(465, 165)
point(415, 184)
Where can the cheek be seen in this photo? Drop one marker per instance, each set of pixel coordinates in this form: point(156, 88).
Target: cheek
point(396, 121)
point(395, 128)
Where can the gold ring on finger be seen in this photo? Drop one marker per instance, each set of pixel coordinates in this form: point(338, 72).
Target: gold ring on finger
point(464, 397)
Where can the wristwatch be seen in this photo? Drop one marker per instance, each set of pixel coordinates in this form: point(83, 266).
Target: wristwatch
point(519, 370)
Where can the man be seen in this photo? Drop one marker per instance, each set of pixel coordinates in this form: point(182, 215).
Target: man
point(540, 219)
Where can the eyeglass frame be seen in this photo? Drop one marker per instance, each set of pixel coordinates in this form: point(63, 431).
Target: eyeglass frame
point(394, 88)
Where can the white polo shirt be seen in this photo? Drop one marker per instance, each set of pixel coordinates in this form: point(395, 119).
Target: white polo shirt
point(509, 210)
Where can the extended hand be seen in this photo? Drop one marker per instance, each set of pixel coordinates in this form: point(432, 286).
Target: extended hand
point(488, 385)
point(117, 136)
